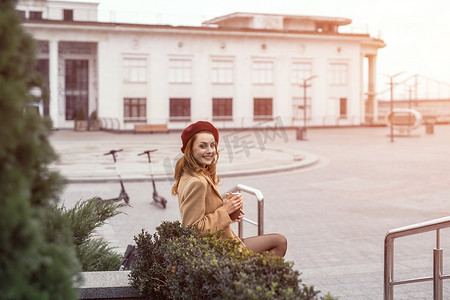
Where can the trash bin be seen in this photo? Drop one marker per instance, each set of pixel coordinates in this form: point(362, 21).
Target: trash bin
point(301, 133)
point(429, 127)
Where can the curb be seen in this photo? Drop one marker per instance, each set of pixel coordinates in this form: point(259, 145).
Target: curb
point(308, 161)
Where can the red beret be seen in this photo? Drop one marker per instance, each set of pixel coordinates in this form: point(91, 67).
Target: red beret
point(195, 128)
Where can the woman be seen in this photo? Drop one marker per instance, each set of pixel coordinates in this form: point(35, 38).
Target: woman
point(198, 197)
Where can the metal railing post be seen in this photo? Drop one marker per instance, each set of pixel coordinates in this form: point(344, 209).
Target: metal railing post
point(241, 228)
point(437, 273)
point(437, 268)
point(388, 268)
point(261, 217)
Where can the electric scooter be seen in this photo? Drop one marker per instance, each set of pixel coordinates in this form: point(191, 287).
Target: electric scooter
point(123, 195)
point(156, 198)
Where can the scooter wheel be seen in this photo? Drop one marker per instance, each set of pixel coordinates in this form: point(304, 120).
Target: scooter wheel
point(163, 202)
point(126, 198)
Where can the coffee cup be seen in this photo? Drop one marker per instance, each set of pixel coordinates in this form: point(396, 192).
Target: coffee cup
point(234, 215)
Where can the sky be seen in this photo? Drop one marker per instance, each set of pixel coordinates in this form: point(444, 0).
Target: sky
point(417, 32)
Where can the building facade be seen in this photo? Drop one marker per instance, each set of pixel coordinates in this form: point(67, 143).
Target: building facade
point(235, 70)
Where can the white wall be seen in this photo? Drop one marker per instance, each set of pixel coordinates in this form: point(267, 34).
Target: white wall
point(159, 44)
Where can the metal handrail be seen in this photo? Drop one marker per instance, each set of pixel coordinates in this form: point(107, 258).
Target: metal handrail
point(260, 198)
point(438, 276)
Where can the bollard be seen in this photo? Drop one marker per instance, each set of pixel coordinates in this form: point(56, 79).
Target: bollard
point(429, 127)
point(301, 133)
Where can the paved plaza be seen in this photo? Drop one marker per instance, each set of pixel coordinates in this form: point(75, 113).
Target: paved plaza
point(334, 196)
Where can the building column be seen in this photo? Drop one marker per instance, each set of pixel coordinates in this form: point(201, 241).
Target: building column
point(372, 104)
point(53, 82)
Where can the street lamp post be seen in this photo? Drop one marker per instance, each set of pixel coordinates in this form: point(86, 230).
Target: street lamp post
point(305, 86)
point(391, 83)
point(410, 87)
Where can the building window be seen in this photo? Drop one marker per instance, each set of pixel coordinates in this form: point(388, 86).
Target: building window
point(343, 108)
point(222, 71)
point(35, 15)
point(262, 109)
point(180, 109)
point(301, 71)
point(68, 14)
point(262, 72)
point(222, 109)
point(338, 73)
point(135, 110)
point(135, 70)
point(180, 70)
point(21, 14)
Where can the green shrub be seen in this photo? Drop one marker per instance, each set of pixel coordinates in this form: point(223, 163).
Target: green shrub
point(184, 263)
point(84, 218)
point(97, 255)
point(37, 256)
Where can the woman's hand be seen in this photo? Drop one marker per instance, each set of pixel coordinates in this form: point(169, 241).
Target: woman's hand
point(232, 203)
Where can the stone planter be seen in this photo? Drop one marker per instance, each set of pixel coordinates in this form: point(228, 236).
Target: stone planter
point(81, 125)
point(108, 285)
point(94, 125)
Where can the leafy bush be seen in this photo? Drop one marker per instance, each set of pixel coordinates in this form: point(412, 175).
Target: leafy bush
point(184, 263)
point(84, 218)
point(98, 255)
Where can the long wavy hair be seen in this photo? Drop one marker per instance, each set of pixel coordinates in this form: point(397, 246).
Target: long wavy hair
point(188, 164)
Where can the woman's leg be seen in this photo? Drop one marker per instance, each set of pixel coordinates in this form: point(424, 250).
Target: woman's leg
point(274, 242)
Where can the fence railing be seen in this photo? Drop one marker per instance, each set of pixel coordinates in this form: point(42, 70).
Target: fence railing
point(438, 276)
point(242, 122)
point(260, 206)
point(109, 123)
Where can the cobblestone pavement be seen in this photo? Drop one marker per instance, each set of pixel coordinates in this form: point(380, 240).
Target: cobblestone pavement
point(335, 213)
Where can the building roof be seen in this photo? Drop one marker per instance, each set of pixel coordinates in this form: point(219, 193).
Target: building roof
point(261, 21)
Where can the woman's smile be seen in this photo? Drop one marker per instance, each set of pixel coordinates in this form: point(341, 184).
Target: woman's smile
point(204, 148)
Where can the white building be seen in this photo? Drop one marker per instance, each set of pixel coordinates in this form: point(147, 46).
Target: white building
point(234, 70)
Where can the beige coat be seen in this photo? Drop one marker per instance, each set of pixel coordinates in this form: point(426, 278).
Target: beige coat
point(201, 205)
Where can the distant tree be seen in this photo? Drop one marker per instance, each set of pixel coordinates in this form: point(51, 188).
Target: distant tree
point(37, 257)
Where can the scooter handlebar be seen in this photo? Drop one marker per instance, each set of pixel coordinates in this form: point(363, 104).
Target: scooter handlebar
point(148, 151)
point(113, 151)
